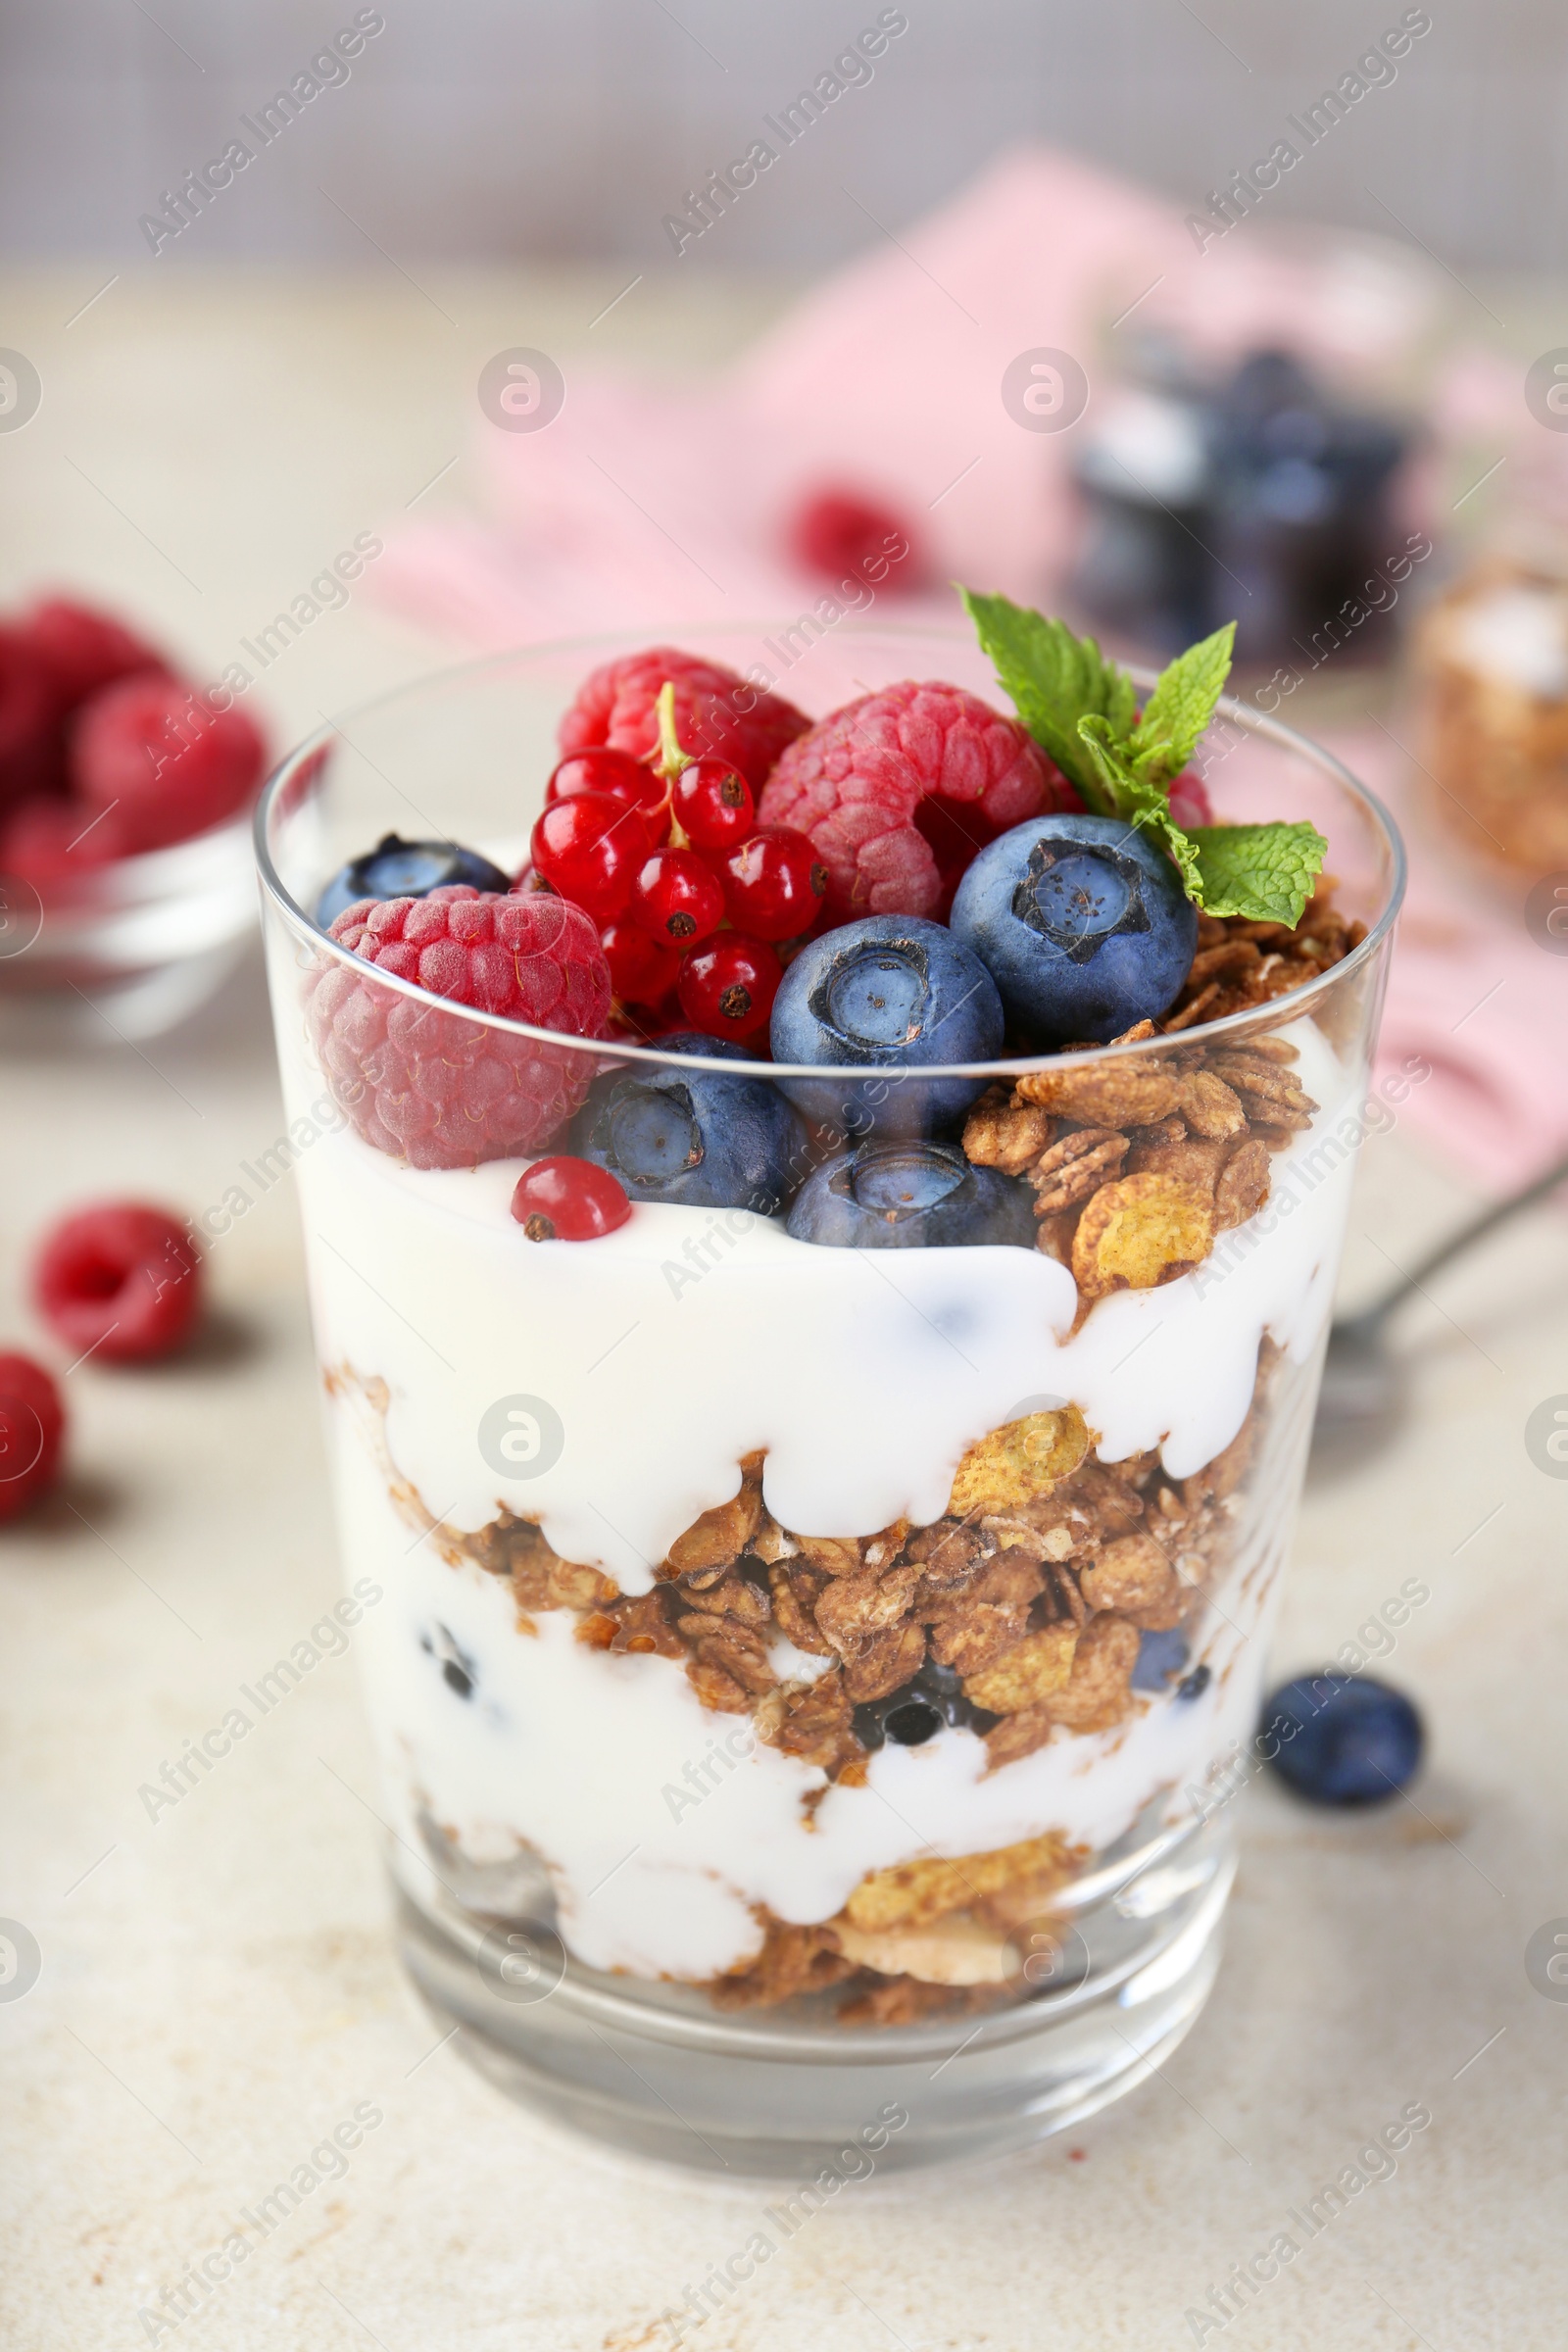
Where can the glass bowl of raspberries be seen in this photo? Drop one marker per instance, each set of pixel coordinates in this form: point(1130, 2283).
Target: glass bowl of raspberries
point(126, 886)
point(824, 1154)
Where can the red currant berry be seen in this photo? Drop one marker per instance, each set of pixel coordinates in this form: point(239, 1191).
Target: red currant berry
point(567, 1199)
point(775, 884)
point(617, 773)
point(588, 849)
point(713, 804)
point(727, 987)
point(677, 899)
point(640, 971)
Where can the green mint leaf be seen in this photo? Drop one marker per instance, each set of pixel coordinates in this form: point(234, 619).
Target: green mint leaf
point(1055, 680)
point(1141, 799)
point(1182, 704)
point(1263, 873)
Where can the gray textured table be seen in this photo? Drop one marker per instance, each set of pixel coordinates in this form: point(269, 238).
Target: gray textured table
point(217, 1993)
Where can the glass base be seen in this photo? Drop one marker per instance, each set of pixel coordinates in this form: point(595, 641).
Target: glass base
point(781, 2093)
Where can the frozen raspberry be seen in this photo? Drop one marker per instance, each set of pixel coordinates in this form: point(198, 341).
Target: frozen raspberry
point(33, 1424)
point(834, 533)
point(167, 763)
point(900, 790)
point(120, 1282)
point(716, 711)
point(428, 1085)
point(80, 651)
point(28, 743)
point(56, 845)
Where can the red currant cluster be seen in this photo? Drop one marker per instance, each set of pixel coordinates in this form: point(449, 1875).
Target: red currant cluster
point(693, 900)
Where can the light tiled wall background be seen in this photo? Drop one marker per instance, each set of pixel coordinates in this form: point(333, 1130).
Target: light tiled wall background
point(495, 129)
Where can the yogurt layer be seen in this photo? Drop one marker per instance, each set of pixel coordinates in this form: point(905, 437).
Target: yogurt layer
point(628, 1376)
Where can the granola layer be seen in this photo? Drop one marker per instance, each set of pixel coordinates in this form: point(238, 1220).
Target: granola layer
point(1022, 1608)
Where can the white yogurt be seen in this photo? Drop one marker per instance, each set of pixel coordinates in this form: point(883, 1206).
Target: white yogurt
point(668, 1350)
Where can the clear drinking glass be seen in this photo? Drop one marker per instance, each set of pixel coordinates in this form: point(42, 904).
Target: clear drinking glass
point(809, 1681)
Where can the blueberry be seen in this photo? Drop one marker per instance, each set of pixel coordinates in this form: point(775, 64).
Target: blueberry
point(406, 869)
point(1161, 1658)
point(700, 1140)
point(1342, 1738)
point(888, 993)
point(889, 1196)
point(1083, 924)
point(918, 1709)
point(457, 1667)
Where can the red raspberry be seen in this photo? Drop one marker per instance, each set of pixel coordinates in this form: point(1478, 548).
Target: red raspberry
point(429, 1086)
point(28, 744)
point(167, 763)
point(568, 1199)
point(728, 984)
point(33, 1424)
point(836, 532)
point(120, 1281)
point(716, 711)
point(899, 791)
point(56, 845)
point(80, 649)
point(1190, 804)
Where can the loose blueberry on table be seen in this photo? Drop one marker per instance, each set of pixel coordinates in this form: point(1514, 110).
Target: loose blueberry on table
point(1342, 1738)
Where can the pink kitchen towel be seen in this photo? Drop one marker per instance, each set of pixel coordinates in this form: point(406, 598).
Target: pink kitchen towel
point(651, 505)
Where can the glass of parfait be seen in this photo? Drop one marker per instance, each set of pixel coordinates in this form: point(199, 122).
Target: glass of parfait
point(823, 1481)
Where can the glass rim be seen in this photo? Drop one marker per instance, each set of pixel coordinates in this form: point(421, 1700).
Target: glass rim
point(1252, 722)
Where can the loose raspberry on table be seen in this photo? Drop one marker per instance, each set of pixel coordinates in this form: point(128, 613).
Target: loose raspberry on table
point(427, 1085)
point(900, 790)
point(33, 1426)
point(120, 1281)
point(167, 763)
point(716, 711)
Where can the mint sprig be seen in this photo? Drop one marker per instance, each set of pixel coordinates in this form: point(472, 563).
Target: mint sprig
point(1082, 710)
point(1055, 680)
point(1263, 872)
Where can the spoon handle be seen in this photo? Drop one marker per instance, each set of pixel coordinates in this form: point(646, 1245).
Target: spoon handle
point(1476, 1230)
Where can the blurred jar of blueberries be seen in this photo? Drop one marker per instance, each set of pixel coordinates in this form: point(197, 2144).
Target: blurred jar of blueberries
point(1258, 495)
